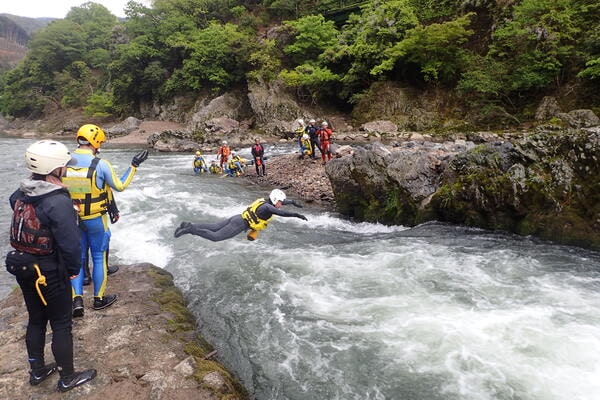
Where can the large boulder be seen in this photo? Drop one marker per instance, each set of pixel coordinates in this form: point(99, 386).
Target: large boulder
point(543, 184)
point(580, 118)
point(389, 185)
point(229, 106)
point(273, 108)
point(547, 109)
point(128, 125)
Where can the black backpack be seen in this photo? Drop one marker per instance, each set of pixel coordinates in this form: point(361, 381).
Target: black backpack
point(27, 234)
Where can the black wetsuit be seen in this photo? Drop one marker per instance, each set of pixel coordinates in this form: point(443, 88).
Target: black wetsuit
point(258, 152)
point(235, 225)
point(54, 209)
point(314, 139)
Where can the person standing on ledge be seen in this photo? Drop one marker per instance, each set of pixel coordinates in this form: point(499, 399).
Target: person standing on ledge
point(255, 218)
point(88, 182)
point(45, 237)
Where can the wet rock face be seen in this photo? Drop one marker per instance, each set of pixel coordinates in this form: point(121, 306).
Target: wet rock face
point(390, 185)
point(144, 346)
point(543, 184)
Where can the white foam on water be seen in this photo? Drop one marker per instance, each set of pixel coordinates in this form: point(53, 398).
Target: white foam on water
point(423, 309)
point(331, 221)
point(333, 309)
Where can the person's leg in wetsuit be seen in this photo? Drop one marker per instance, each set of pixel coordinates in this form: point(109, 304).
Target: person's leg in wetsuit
point(215, 232)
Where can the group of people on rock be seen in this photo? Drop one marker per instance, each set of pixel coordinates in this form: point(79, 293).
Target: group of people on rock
point(310, 138)
point(60, 222)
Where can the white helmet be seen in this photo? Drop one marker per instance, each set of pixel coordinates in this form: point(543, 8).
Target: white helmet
point(324, 123)
point(224, 141)
point(46, 155)
point(305, 136)
point(276, 195)
point(312, 121)
point(300, 121)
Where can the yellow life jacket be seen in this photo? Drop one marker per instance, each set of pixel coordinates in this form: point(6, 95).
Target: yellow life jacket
point(306, 147)
point(253, 220)
point(198, 161)
point(81, 182)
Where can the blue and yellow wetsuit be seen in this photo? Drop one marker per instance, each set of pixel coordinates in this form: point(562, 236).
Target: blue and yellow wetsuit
point(88, 182)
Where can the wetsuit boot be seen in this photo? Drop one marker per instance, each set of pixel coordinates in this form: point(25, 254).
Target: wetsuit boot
point(77, 306)
point(185, 227)
point(112, 269)
point(103, 302)
point(68, 382)
point(39, 372)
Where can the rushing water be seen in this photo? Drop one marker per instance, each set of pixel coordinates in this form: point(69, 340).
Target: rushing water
point(331, 309)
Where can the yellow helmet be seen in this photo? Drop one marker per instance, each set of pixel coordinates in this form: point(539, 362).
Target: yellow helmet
point(93, 134)
point(198, 153)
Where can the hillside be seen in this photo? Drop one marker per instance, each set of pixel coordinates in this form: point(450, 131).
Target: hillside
point(15, 33)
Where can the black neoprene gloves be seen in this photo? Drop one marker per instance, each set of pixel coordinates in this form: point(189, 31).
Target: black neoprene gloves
point(139, 158)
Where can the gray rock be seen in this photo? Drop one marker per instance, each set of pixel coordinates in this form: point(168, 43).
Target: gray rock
point(547, 109)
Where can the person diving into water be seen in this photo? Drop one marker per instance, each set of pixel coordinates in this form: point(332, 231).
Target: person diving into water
point(255, 218)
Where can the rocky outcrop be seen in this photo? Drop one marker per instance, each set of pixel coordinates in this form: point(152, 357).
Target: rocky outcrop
point(543, 184)
point(301, 178)
point(547, 109)
point(144, 347)
point(273, 108)
point(390, 184)
point(229, 106)
point(123, 128)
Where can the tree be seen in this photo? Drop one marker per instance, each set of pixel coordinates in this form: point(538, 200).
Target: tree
point(217, 59)
point(537, 43)
point(312, 36)
point(59, 45)
point(366, 37)
point(437, 49)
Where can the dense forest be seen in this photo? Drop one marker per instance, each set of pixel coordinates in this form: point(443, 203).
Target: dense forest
point(492, 56)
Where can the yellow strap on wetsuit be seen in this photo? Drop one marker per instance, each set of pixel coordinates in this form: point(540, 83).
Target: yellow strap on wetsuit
point(41, 280)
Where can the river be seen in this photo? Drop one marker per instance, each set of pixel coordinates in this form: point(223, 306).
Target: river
point(333, 309)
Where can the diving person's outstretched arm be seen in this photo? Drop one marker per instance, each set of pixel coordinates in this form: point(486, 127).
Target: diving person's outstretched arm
point(266, 210)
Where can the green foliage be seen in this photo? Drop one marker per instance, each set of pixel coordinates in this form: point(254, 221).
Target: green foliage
point(23, 90)
point(522, 50)
point(436, 48)
point(99, 104)
point(537, 42)
point(435, 10)
point(312, 35)
point(592, 70)
point(96, 21)
point(265, 62)
point(59, 45)
point(73, 84)
point(312, 78)
point(216, 59)
point(591, 55)
point(367, 36)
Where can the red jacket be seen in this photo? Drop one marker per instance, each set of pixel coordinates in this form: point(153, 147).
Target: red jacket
point(325, 134)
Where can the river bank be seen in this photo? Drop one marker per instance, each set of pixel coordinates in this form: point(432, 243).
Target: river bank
point(144, 347)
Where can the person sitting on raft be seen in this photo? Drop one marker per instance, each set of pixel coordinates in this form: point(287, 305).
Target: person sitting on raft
point(255, 218)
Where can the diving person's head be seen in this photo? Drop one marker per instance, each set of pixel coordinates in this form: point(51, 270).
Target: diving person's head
point(277, 197)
